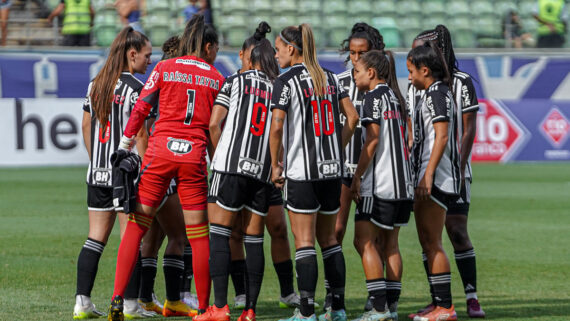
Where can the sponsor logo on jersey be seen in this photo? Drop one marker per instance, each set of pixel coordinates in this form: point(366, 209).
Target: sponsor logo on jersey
point(376, 108)
point(258, 78)
point(329, 168)
point(179, 146)
point(465, 95)
point(350, 168)
point(284, 99)
point(151, 80)
point(555, 127)
point(101, 176)
point(192, 62)
point(250, 166)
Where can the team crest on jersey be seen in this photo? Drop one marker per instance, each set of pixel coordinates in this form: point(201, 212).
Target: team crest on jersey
point(134, 97)
point(101, 176)
point(329, 168)
point(179, 146)
point(119, 84)
point(249, 166)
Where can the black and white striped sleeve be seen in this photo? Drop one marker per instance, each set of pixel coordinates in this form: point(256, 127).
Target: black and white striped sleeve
point(281, 95)
point(223, 98)
point(87, 101)
point(438, 105)
point(371, 109)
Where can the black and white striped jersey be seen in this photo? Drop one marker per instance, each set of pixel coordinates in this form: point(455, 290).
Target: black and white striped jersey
point(389, 176)
point(312, 132)
point(103, 144)
point(244, 144)
point(436, 105)
point(466, 102)
point(352, 150)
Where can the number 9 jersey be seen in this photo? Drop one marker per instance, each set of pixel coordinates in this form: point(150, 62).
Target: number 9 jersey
point(244, 144)
point(185, 89)
point(312, 132)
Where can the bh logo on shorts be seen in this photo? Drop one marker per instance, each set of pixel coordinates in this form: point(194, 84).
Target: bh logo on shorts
point(101, 176)
point(179, 146)
point(250, 166)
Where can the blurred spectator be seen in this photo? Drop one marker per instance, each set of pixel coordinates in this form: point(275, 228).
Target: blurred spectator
point(199, 7)
point(77, 21)
point(513, 31)
point(130, 13)
point(551, 16)
point(191, 9)
point(4, 13)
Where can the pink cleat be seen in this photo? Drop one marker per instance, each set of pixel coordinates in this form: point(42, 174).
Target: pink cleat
point(474, 309)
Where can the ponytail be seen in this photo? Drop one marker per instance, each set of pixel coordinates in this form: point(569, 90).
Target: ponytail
point(264, 55)
point(430, 56)
point(442, 38)
point(385, 67)
point(196, 35)
point(259, 34)
point(310, 58)
point(103, 86)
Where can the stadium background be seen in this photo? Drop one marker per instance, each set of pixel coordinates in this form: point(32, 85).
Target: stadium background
point(519, 218)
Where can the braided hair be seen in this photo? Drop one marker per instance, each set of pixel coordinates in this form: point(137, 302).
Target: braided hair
point(362, 30)
point(170, 47)
point(442, 38)
point(430, 56)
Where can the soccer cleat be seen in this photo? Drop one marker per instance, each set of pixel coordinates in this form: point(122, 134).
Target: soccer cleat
point(394, 315)
point(213, 313)
point(290, 301)
point(438, 314)
point(133, 310)
point(248, 315)
point(374, 315)
point(150, 306)
point(116, 309)
point(190, 299)
point(297, 316)
point(427, 309)
point(177, 309)
point(474, 309)
point(156, 302)
point(85, 309)
point(239, 301)
point(333, 315)
point(368, 305)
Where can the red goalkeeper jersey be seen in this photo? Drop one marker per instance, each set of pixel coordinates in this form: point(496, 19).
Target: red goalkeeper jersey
point(184, 89)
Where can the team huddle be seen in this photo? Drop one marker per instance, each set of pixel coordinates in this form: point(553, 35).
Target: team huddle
point(307, 140)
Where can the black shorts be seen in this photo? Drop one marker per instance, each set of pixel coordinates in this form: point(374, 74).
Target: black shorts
point(382, 213)
point(461, 204)
point(100, 198)
point(347, 181)
point(441, 198)
point(308, 197)
point(234, 192)
point(275, 197)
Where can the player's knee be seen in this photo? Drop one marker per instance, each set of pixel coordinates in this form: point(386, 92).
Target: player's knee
point(278, 232)
point(458, 236)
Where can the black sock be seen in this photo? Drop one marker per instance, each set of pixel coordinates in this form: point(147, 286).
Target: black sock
point(173, 267)
point(307, 274)
point(188, 272)
point(220, 257)
point(377, 293)
point(426, 268)
point(467, 269)
point(132, 290)
point(148, 275)
point(335, 273)
point(284, 272)
point(255, 263)
point(237, 271)
point(393, 289)
point(441, 283)
point(328, 295)
point(87, 265)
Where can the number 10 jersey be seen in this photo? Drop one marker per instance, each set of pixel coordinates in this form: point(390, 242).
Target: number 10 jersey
point(244, 144)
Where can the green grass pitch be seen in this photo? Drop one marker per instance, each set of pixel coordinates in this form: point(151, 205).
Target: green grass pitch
point(519, 224)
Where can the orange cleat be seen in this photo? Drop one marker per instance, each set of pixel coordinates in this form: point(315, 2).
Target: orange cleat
point(213, 313)
point(248, 315)
point(425, 310)
point(438, 314)
point(178, 309)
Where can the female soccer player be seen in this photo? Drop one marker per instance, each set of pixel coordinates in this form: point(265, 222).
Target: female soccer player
point(110, 99)
point(456, 218)
point(384, 172)
point(241, 173)
point(169, 220)
point(185, 89)
point(436, 168)
point(307, 101)
point(275, 220)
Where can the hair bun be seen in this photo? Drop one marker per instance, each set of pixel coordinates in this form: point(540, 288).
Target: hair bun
point(261, 30)
point(359, 27)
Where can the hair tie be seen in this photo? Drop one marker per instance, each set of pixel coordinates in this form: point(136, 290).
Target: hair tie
point(288, 42)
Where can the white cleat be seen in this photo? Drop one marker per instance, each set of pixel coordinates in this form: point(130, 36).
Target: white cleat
point(85, 309)
point(239, 301)
point(290, 301)
point(133, 310)
point(190, 300)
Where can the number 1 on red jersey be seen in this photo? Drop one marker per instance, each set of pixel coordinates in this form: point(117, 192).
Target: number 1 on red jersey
point(190, 106)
